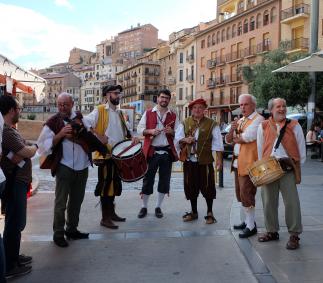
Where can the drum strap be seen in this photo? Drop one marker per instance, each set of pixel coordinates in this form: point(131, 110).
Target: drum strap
point(281, 133)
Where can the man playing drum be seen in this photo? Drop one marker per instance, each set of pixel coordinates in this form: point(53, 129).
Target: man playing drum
point(158, 125)
point(109, 126)
point(70, 168)
point(243, 134)
point(199, 136)
point(290, 152)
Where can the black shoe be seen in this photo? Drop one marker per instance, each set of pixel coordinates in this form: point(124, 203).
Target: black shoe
point(24, 259)
point(142, 213)
point(246, 232)
point(18, 271)
point(240, 226)
point(60, 241)
point(77, 235)
point(158, 212)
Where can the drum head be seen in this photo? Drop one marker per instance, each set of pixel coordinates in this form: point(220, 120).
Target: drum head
point(121, 146)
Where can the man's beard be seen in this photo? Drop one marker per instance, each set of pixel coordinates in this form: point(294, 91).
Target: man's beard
point(115, 101)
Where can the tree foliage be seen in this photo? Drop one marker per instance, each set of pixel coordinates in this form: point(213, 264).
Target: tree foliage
point(264, 85)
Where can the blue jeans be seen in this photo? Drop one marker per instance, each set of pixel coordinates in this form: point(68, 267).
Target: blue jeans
point(15, 222)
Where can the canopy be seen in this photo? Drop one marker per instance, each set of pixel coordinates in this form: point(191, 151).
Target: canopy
point(312, 63)
point(25, 81)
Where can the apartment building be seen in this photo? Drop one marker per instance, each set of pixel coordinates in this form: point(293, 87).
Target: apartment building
point(133, 42)
point(186, 75)
point(246, 30)
point(57, 83)
point(168, 71)
point(90, 95)
point(140, 83)
point(295, 17)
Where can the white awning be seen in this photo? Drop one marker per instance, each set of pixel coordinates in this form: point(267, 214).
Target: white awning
point(312, 63)
point(10, 69)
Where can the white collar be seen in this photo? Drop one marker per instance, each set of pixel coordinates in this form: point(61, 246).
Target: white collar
point(252, 115)
point(155, 109)
point(107, 106)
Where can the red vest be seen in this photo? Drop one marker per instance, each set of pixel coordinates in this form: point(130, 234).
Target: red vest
point(151, 123)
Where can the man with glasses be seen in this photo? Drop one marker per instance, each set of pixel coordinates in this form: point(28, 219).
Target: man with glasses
point(18, 178)
point(108, 124)
point(70, 168)
point(158, 126)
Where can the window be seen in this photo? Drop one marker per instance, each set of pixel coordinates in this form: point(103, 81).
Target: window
point(266, 18)
point(180, 93)
point(228, 33)
point(245, 26)
point(209, 41)
point(223, 35)
point(181, 58)
point(202, 62)
point(240, 6)
point(180, 75)
point(218, 37)
point(213, 39)
point(202, 43)
point(239, 28)
point(211, 98)
point(252, 23)
point(258, 22)
point(234, 27)
point(273, 14)
point(202, 80)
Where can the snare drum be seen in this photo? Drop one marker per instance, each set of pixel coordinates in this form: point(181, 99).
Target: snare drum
point(130, 161)
point(265, 171)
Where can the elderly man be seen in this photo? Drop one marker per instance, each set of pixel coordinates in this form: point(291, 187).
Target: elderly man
point(158, 125)
point(70, 168)
point(243, 134)
point(109, 125)
point(199, 136)
point(283, 139)
point(18, 178)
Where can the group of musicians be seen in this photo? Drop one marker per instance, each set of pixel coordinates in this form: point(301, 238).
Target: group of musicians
point(196, 141)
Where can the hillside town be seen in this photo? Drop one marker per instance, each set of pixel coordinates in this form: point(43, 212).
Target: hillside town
point(201, 61)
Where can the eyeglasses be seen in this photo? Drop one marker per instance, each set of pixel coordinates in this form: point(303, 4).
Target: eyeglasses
point(63, 104)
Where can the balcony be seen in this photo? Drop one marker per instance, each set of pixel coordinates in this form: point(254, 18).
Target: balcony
point(211, 64)
point(299, 11)
point(264, 46)
point(127, 78)
point(151, 92)
point(190, 58)
point(151, 82)
point(190, 78)
point(211, 83)
point(220, 81)
point(171, 81)
point(298, 44)
point(250, 51)
point(235, 78)
point(234, 56)
point(156, 73)
point(220, 60)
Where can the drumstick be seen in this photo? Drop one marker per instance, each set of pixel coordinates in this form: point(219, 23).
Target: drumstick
point(125, 150)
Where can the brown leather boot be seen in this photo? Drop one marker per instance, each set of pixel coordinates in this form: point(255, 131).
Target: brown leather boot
point(116, 217)
point(106, 220)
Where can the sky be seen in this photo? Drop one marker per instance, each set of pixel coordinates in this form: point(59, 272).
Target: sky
point(40, 33)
